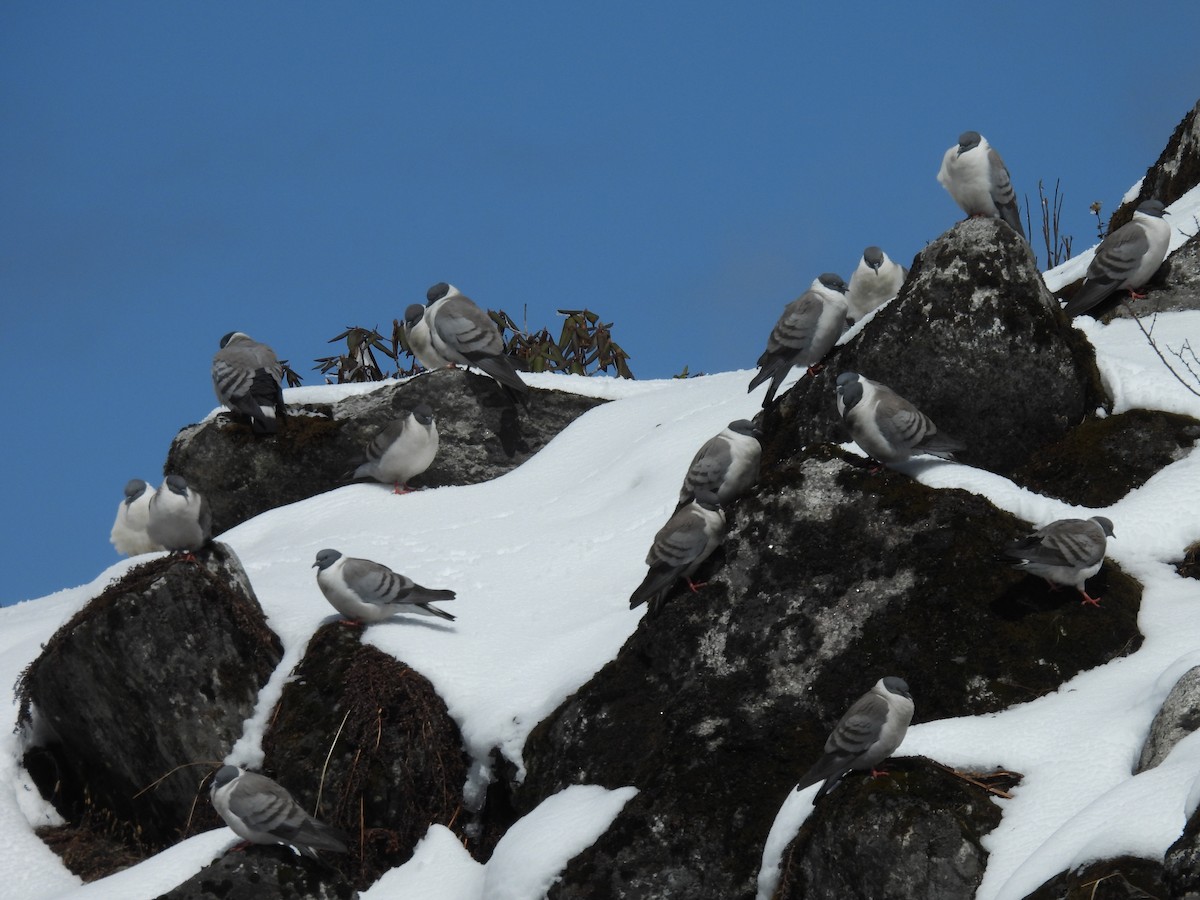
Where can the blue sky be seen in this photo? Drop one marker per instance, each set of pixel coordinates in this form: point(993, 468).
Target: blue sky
point(170, 172)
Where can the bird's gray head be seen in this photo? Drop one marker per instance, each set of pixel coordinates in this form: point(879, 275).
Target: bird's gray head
point(1152, 208)
point(437, 292)
point(224, 775)
point(708, 500)
point(423, 414)
point(178, 484)
point(895, 685)
point(833, 282)
point(968, 140)
point(1104, 523)
point(413, 314)
point(873, 257)
point(134, 489)
point(746, 427)
point(233, 335)
point(325, 559)
point(850, 389)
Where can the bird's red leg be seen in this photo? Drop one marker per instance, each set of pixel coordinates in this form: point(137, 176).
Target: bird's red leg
point(399, 488)
point(815, 370)
point(1088, 601)
point(694, 586)
point(1134, 295)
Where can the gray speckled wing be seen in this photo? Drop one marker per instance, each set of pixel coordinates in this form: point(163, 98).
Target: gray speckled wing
point(376, 584)
point(708, 469)
point(1077, 543)
point(855, 733)
point(266, 808)
point(1117, 258)
point(1003, 194)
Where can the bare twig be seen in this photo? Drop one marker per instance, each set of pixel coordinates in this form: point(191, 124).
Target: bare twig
point(1154, 346)
point(328, 756)
point(999, 773)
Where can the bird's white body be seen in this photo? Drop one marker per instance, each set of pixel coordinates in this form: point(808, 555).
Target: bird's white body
point(401, 451)
point(871, 287)
point(129, 528)
point(1125, 259)
point(885, 425)
point(369, 592)
point(727, 464)
point(806, 331)
point(178, 521)
point(248, 378)
point(261, 811)
point(420, 342)
point(976, 177)
point(461, 332)
point(1067, 551)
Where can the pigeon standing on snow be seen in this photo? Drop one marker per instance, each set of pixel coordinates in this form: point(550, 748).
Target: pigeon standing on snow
point(1127, 258)
point(180, 520)
point(688, 538)
point(461, 332)
point(876, 281)
point(1068, 551)
point(261, 812)
point(133, 515)
point(403, 449)
point(727, 464)
point(364, 591)
point(976, 177)
point(865, 736)
point(807, 330)
point(248, 378)
point(420, 344)
point(885, 425)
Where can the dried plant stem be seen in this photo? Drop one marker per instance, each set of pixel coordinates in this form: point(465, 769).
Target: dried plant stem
point(1154, 346)
point(325, 766)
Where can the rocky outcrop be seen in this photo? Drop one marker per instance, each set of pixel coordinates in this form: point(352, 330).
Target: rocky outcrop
point(482, 436)
point(258, 873)
point(1124, 878)
point(1181, 864)
point(1174, 173)
point(1178, 717)
point(143, 693)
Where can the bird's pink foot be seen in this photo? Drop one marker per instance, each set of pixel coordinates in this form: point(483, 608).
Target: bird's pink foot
point(879, 773)
point(874, 466)
point(1134, 295)
point(694, 586)
point(1088, 601)
point(350, 622)
point(399, 488)
point(815, 370)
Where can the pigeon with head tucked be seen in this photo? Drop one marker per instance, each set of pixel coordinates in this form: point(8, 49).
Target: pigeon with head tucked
point(367, 592)
point(1067, 551)
point(1125, 259)
point(463, 333)
point(248, 378)
point(865, 736)
point(885, 425)
point(976, 177)
point(689, 537)
point(809, 327)
point(133, 515)
point(179, 517)
point(877, 280)
point(402, 450)
point(726, 465)
point(262, 812)
point(420, 344)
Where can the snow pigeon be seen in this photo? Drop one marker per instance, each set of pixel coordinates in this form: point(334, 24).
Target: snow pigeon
point(727, 464)
point(402, 450)
point(885, 425)
point(180, 520)
point(865, 736)
point(133, 515)
point(248, 378)
point(420, 344)
point(1127, 258)
point(688, 538)
point(366, 592)
point(1068, 551)
point(809, 327)
point(463, 333)
point(976, 177)
point(261, 812)
point(876, 281)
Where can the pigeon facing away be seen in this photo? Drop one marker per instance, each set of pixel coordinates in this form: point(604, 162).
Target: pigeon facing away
point(261, 812)
point(809, 327)
point(463, 333)
point(885, 425)
point(1068, 551)
point(865, 736)
point(1127, 258)
point(402, 450)
point(976, 177)
point(364, 591)
point(420, 344)
point(688, 538)
point(248, 378)
point(727, 464)
point(877, 280)
point(180, 520)
point(133, 515)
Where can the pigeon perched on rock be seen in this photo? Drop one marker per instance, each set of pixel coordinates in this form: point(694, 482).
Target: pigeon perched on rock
point(1068, 551)
point(688, 538)
point(420, 344)
point(262, 812)
point(248, 378)
point(877, 280)
point(885, 425)
point(463, 333)
point(179, 520)
point(976, 177)
point(726, 465)
point(809, 327)
point(402, 450)
point(133, 515)
point(1126, 259)
point(865, 736)
point(367, 592)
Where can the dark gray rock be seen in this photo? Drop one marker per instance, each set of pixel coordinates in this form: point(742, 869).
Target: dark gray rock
point(976, 342)
point(1178, 717)
point(259, 873)
point(1174, 173)
point(1123, 878)
point(145, 690)
point(714, 708)
point(1176, 286)
point(482, 436)
point(1181, 864)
